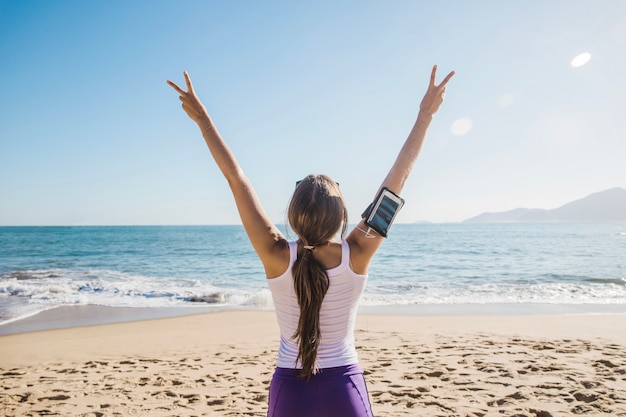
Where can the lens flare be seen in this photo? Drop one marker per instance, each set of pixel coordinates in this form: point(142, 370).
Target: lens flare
point(461, 126)
point(581, 59)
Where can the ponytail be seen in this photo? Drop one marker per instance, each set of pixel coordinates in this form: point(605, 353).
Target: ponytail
point(311, 284)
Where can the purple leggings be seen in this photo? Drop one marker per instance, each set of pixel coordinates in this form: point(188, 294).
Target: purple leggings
point(332, 392)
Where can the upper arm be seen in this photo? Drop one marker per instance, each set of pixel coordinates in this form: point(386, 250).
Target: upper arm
point(268, 242)
point(364, 241)
point(363, 246)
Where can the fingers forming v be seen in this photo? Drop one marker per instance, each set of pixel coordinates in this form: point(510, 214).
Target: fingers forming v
point(180, 90)
point(433, 76)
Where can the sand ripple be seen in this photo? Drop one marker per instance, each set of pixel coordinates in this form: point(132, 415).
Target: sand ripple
point(475, 376)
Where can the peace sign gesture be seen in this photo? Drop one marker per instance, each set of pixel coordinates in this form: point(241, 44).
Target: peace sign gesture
point(191, 103)
point(435, 93)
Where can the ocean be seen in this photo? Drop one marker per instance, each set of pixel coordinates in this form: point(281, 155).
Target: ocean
point(445, 267)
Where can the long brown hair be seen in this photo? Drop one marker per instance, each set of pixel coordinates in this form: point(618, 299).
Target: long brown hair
point(316, 213)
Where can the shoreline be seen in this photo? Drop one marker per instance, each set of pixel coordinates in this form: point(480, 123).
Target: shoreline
point(64, 317)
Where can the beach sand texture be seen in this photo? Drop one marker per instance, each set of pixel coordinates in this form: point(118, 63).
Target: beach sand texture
point(220, 365)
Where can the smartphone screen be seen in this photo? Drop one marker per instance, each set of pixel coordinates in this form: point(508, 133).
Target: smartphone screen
point(384, 212)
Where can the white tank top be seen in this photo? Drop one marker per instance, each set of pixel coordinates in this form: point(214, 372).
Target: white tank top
point(337, 315)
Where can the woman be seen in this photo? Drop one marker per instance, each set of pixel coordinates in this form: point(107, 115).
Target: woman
point(315, 281)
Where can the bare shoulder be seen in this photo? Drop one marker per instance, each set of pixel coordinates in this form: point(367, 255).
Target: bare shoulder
point(277, 260)
point(363, 247)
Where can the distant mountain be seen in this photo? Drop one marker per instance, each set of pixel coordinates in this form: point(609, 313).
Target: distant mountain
point(608, 205)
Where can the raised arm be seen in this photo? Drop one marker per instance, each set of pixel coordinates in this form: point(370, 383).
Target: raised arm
point(405, 160)
point(365, 245)
point(266, 239)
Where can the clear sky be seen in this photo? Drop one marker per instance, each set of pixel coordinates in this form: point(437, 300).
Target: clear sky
point(90, 133)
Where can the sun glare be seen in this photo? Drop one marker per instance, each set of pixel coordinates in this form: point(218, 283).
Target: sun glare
point(461, 126)
point(581, 59)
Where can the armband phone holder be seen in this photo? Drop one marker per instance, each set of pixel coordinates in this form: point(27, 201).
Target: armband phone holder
point(380, 215)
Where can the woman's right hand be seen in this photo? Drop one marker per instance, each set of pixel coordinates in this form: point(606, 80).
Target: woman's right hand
point(435, 94)
point(191, 103)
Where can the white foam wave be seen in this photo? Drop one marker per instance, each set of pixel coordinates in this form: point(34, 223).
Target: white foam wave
point(38, 290)
point(25, 293)
point(490, 293)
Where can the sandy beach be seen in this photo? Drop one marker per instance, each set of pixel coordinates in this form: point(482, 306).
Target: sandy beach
point(220, 364)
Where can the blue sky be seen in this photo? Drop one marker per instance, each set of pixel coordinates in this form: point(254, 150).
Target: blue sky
point(90, 133)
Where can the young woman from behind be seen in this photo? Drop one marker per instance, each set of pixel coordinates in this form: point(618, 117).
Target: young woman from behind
point(317, 280)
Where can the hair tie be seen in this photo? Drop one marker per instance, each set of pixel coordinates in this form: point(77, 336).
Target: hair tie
point(309, 247)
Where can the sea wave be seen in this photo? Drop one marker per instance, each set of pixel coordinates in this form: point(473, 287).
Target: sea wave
point(592, 292)
point(27, 292)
